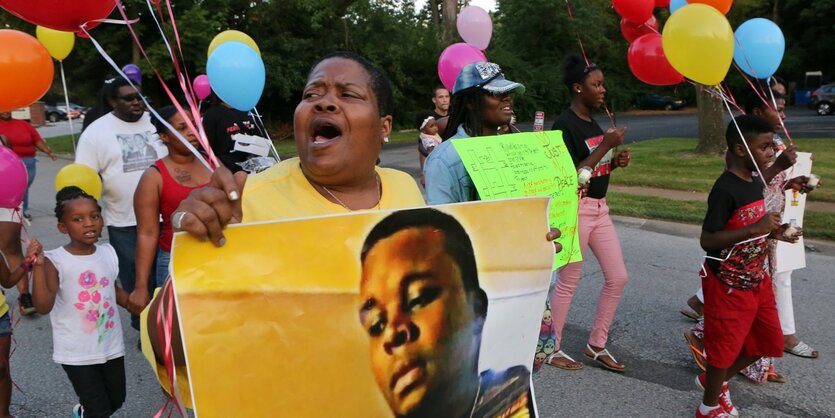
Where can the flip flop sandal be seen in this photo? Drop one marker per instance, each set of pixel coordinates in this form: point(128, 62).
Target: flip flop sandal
point(699, 356)
point(604, 352)
point(692, 315)
point(560, 354)
point(775, 377)
point(802, 350)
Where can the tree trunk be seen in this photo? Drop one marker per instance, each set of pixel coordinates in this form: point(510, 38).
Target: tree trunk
point(711, 123)
point(449, 13)
point(436, 18)
point(776, 12)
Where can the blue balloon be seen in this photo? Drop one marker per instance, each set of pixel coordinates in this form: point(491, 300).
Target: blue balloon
point(236, 74)
point(677, 4)
point(759, 47)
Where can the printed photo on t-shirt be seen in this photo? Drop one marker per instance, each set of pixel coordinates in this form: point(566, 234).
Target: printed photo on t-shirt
point(604, 167)
point(137, 151)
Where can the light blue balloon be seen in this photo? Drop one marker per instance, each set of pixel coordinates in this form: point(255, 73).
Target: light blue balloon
point(677, 4)
point(759, 47)
point(236, 74)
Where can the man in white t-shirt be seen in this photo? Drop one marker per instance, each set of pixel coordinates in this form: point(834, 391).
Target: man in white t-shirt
point(120, 146)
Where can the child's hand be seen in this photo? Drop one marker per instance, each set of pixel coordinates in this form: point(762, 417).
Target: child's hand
point(137, 301)
point(780, 234)
point(622, 160)
point(801, 184)
point(34, 254)
point(787, 158)
point(767, 224)
point(613, 137)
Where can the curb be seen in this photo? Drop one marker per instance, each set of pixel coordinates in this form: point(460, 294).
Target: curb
point(694, 231)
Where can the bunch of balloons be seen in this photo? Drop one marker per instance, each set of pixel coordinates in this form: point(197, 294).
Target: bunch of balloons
point(701, 44)
point(646, 56)
point(476, 29)
point(234, 70)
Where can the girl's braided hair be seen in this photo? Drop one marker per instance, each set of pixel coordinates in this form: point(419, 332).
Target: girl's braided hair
point(67, 194)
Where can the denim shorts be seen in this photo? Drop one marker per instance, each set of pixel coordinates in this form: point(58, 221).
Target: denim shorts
point(5, 325)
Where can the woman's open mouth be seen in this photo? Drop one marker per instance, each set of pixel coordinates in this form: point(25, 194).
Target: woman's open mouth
point(325, 132)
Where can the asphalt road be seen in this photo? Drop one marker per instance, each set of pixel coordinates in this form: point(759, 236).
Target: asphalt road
point(646, 336)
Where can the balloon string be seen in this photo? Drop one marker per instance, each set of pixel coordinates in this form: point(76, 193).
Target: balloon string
point(583, 51)
point(164, 122)
point(164, 332)
point(182, 77)
point(263, 128)
point(67, 101)
point(771, 104)
point(782, 122)
point(189, 123)
point(742, 137)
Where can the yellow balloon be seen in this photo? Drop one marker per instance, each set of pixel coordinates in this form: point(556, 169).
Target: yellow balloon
point(59, 44)
point(232, 35)
point(699, 43)
point(81, 176)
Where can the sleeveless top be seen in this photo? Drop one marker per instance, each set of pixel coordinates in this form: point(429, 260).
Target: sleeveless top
point(170, 196)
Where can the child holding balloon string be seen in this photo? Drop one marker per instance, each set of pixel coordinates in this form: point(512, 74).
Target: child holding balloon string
point(76, 284)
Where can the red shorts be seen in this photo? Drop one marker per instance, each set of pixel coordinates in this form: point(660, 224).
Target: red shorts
point(739, 322)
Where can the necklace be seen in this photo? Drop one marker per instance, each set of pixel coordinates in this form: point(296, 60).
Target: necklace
point(379, 194)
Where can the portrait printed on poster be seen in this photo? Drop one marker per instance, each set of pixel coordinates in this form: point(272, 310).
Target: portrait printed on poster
point(412, 313)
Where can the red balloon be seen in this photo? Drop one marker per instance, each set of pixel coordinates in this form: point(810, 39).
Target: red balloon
point(61, 15)
point(638, 11)
point(649, 64)
point(662, 3)
point(632, 31)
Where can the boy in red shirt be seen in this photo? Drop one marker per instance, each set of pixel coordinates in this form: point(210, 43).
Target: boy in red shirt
point(741, 322)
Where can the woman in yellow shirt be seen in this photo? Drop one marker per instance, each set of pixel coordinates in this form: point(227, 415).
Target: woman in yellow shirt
point(340, 124)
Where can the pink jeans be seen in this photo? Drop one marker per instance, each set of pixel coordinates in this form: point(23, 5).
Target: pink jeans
point(596, 231)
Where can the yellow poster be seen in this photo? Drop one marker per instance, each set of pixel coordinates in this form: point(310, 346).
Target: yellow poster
point(423, 312)
point(528, 164)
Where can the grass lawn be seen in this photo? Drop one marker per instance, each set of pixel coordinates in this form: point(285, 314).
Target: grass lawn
point(669, 163)
point(817, 225)
point(285, 148)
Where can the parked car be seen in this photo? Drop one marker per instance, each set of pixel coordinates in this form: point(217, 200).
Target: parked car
point(656, 101)
point(53, 114)
point(823, 99)
point(76, 110)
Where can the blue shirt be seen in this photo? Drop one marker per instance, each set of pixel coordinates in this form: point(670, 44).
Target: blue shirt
point(447, 180)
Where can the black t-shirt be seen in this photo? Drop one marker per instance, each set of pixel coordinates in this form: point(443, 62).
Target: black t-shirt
point(437, 115)
point(734, 203)
point(581, 137)
point(220, 123)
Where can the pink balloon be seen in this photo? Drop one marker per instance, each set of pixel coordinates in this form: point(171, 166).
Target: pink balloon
point(475, 26)
point(13, 173)
point(201, 87)
point(454, 58)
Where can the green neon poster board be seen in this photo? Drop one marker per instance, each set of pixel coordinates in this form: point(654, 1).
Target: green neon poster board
point(528, 164)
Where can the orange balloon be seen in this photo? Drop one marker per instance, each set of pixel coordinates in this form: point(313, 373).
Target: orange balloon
point(722, 5)
point(26, 69)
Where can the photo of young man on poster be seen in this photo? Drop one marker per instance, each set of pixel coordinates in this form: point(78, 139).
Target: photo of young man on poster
point(424, 312)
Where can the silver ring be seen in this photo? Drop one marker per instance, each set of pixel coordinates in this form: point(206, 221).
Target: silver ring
point(177, 219)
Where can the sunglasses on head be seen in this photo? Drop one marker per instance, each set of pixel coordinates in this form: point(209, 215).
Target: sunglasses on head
point(130, 98)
